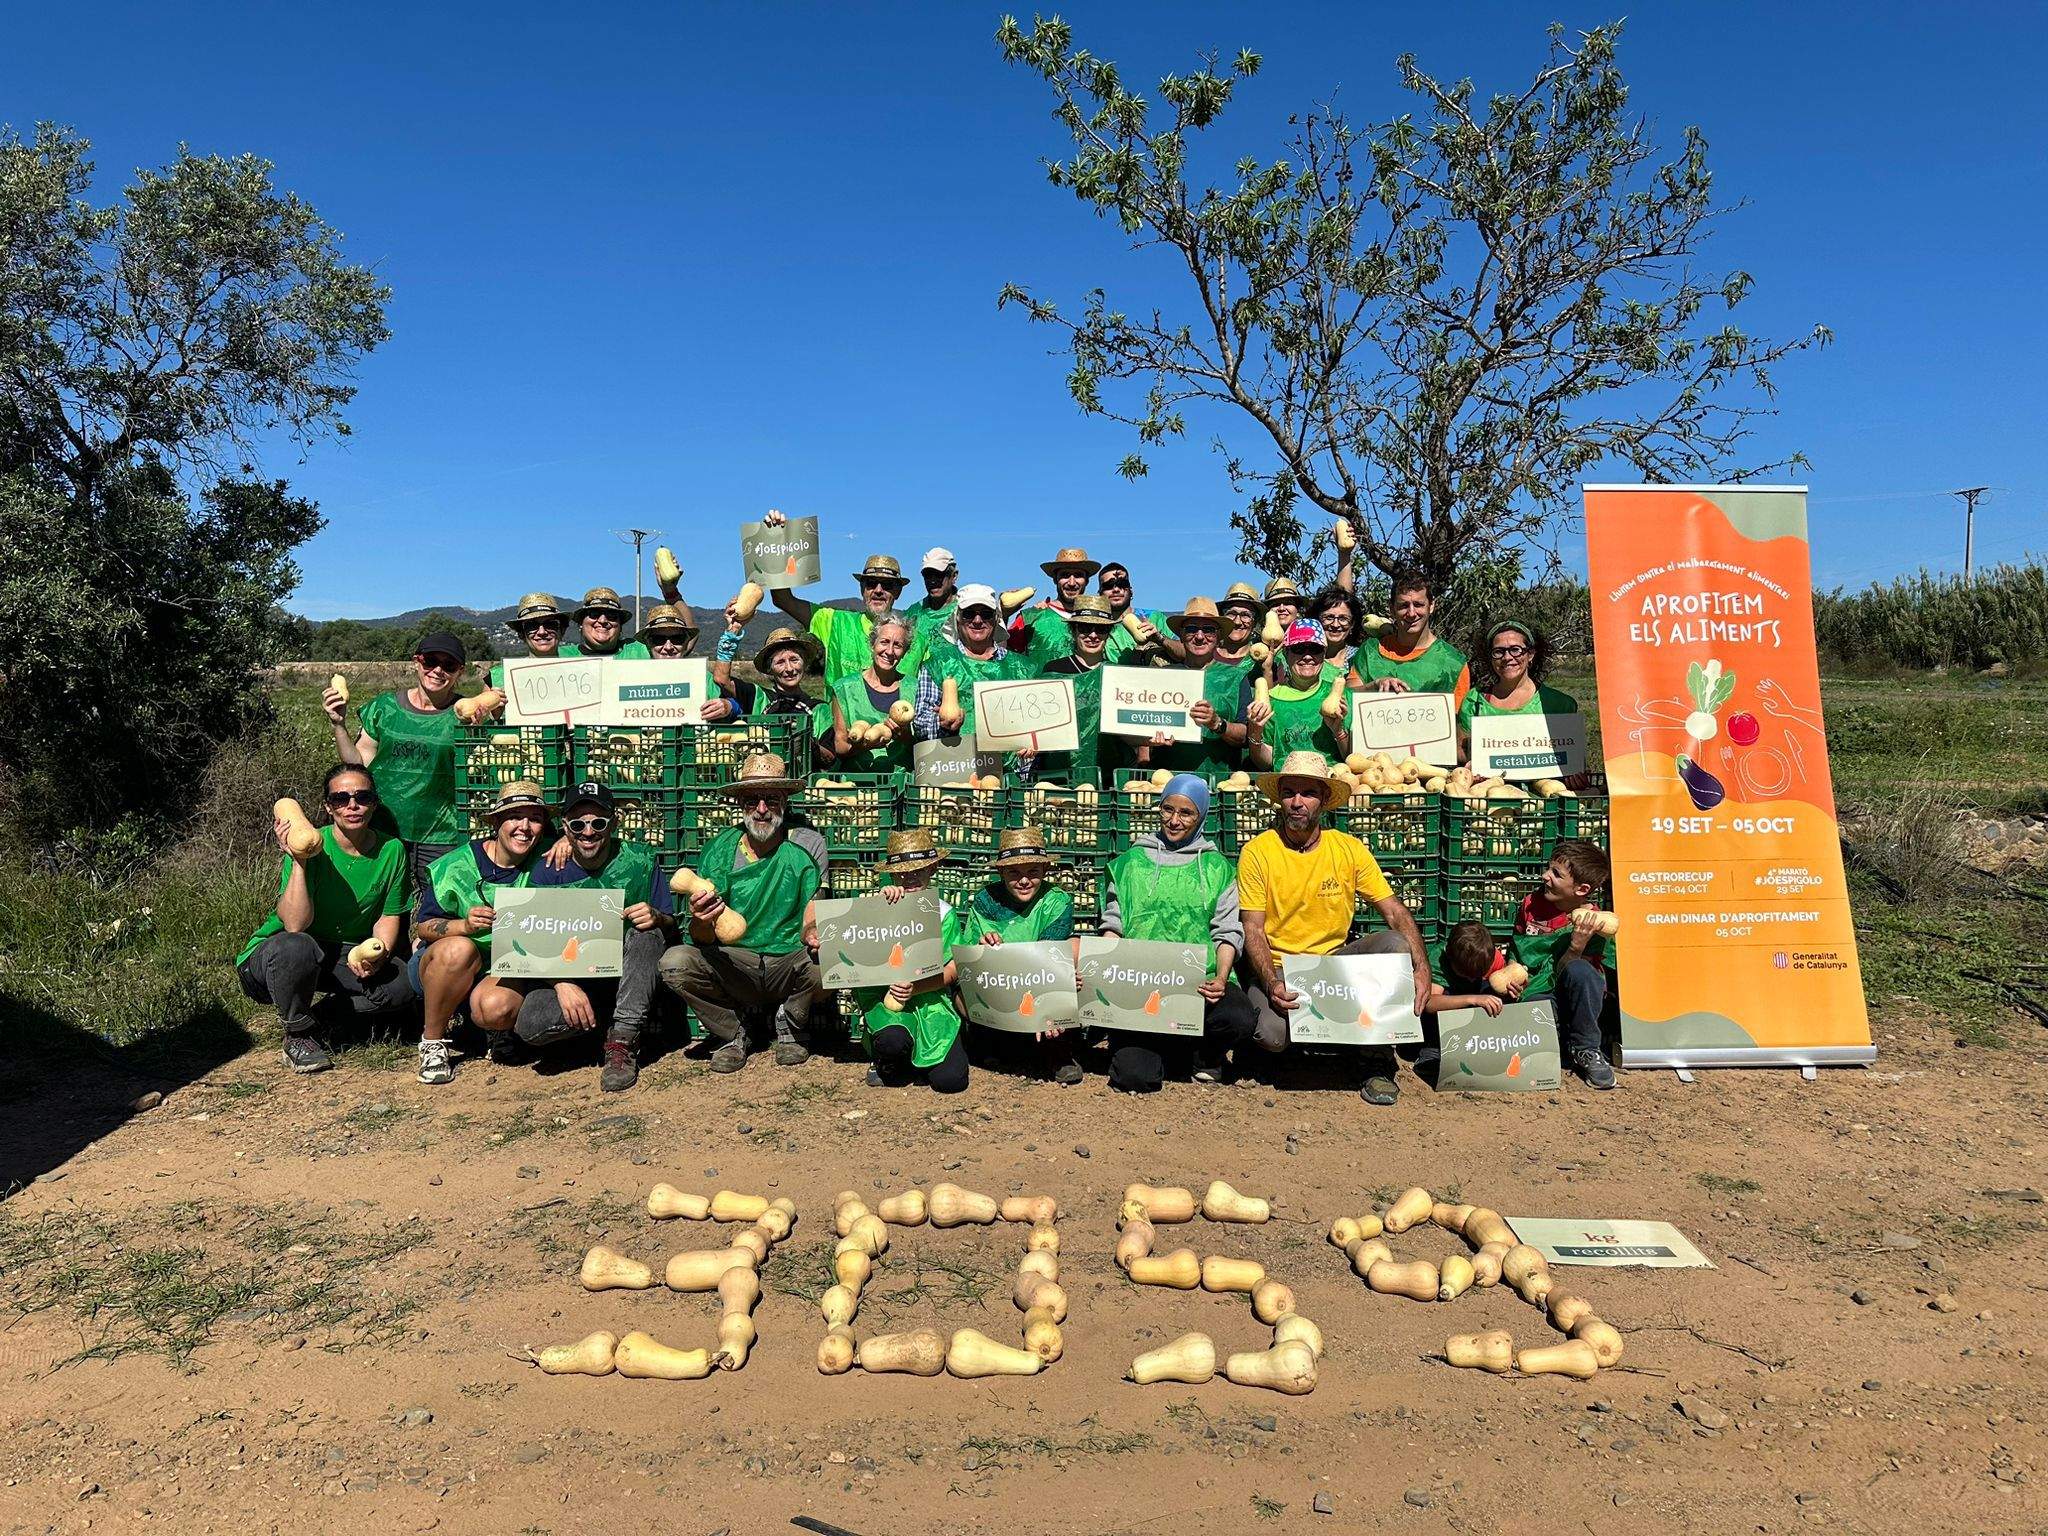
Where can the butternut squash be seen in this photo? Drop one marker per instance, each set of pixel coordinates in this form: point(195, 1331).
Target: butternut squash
point(872, 1233)
point(1190, 1358)
point(1367, 1252)
point(776, 1223)
point(1509, 977)
point(1521, 1262)
point(340, 685)
point(747, 601)
point(1573, 1359)
point(1013, 598)
point(1346, 536)
point(647, 1359)
point(729, 926)
point(1180, 1269)
point(1038, 1262)
point(1271, 1300)
point(1604, 1339)
point(852, 1269)
point(838, 1305)
point(904, 1210)
point(728, 1206)
point(480, 706)
point(1450, 1217)
point(668, 574)
point(1031, 1208)
point(1044, 1238)
point(921, 1352)
point(703, 1268)
point(902, 712)
point(590, 1355)
point(1607, 924)
point(1346, 1230)
point(1240, 1275)
point(951, 1206)
point(973, 1354)
point(1566, 1310)
point(301, 837)
point(665, 1202)
point(604, 1270)
point(1493, 1351)
point(1412, 1207)
point(1288, 1368)
point(755, 1242)
point(1536, 1287)
point(1222, 1203)
point(1486, 1263)
point(1336, 704)
point(1485, 1226)
point(1418, 1281)
point(1262, 689)
point(369, 953)
point(1042, 1334)
point(1292, 1327)
point(1033, 1292)
point(836, 1350)
point(736, 1335)
point(951, 715)
point(1134, 1242)
point(1454, 1277)
point(1168, 1203)
point(1270, 632)
point(739, 1289)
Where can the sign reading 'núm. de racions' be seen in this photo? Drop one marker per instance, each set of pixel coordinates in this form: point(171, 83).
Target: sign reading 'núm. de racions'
point(781, 556)
point(655, 692)
point(865, 941)
point(1144, 701)
point(560, 934)
point(605, 690)
point(1021, 988)
point(1143, 985)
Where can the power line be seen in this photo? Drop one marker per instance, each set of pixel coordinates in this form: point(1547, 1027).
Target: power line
point(1969, 523)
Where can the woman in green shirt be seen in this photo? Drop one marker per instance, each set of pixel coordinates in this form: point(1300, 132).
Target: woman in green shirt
point(914, 1026)
point(1294, 721)
point(352, 890)
point(1515, 657)
point(1022, 906)
point(407, 741)
point(601, 619)
point(869, 698)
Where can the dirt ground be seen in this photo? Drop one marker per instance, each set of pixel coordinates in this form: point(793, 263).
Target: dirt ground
point(1864, 1357)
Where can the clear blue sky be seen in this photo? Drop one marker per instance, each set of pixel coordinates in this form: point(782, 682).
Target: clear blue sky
point(672, 265)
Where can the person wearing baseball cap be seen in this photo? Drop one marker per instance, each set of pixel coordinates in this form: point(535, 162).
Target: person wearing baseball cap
point(931, 616)
point(602, 617)
point(1294, 721)
point(599, 860)
point(539, 623)
point(845, 634)
point(975, 656)
point(451, 926)
point(1040, 632)
point(1298, 886)
point(406, 738)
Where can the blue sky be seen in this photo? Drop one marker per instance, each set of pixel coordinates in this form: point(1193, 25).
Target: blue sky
point(669, 266)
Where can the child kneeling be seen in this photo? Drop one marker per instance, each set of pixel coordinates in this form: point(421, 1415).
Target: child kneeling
point(913, 1027)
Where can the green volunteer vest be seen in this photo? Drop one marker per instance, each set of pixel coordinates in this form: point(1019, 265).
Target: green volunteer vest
point(1046, 637)
point(1544, 701)
point(459, 885)
point(947, 660)
point(1084, 764)
point(1434, 669)
point(845, 636)
point(931, 1018)
point(1171, 903)
point(769, 893)
point(991, 912)
point(1211, 757)
point(1298, 725)
point(1120, 642)
point(1543, 953)
point(414, 770)
point(852, 693)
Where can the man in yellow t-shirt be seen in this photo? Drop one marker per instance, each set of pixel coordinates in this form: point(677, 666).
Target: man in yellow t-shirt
point(1297, 885)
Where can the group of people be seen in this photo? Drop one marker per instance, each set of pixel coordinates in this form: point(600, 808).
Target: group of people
point(396, 866)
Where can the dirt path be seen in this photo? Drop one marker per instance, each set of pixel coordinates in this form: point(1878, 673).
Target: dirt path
point(358, 1259)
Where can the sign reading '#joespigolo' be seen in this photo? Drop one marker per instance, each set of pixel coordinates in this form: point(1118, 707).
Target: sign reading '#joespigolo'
point(1352, 999)
point(561, 934)
point(782, 556)
point(868, 942)
point(1142, 985)
point(1736, 944)
point(1022, 988)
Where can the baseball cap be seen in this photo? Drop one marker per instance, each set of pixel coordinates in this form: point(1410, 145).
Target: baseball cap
point(442, 641)
point(937, 559)
point(976, 595)
point(1305, 632)
point(589, 792)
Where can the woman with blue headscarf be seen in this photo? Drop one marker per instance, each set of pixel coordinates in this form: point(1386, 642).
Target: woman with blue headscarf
point(1173, 887)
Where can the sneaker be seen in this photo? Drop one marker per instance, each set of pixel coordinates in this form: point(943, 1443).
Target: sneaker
point(506, 1049)
point(729, 1057)
point(306, 1052)
point(435, 1067)
point(621, 1069)
point(1380, 1089)
point(791, 1053)
point(1069, 1073)
point(1594, 1068)
point(877, 1078)
point(1209, 1077)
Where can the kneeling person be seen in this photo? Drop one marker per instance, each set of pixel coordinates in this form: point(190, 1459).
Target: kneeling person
point(599, 861)
point(914, 1026)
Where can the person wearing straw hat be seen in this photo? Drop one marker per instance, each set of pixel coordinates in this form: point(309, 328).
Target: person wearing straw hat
point(669, 633)
point(1294, 721)
point(769, 872)
point(1298, 885)
point(845, 634)
point(862, 726)
point(1284, 602)
point(1199, 628)
point(1022, 906)
point(975, 655)
point(451, 926)
point(1242, 610)
point(1173, 887)
point(538, 621)
point(1040, 632)
point(601, 620)
point(1093, 627)
point(786, 657)
point(914, 1027)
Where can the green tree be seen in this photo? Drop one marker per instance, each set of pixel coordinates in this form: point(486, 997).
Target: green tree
point(145, 349)
point(1432, 326)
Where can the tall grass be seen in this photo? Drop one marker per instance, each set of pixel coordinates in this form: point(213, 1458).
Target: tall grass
point(1937, 621)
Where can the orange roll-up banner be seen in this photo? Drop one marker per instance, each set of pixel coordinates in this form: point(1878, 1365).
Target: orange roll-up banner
point(1736, 947)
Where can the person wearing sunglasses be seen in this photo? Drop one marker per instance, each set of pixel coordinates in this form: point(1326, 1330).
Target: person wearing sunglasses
point(975, 655)
point(601, 620)
point(451, 928)
point(1199, 629)
point(846, 633)
point(1040, 633)
point(406, 738)
point(1512, 659)
point(1113, 581)
point(669, 633)
point(539, 623)
point(353, 889)
point(932, 616)
point(1409, 656)
point(565, 1010)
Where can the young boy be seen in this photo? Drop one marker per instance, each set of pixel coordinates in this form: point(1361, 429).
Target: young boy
point(1557, 937)
point(1469, 955)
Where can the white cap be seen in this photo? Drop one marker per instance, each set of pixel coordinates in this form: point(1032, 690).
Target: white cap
point(936, 559)
point(979, 596)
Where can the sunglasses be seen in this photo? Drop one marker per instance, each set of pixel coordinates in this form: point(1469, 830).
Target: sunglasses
point(881, 584)
point(608, 620)
point(337, 798)
point(588, 824)
point(976, 616)
point(536, 626)
point(1198, 629)
point(440, 662)
point(932, 578)
point(1510, 652)
point(1122, 582)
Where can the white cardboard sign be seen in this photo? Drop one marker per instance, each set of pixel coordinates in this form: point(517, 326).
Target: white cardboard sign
point(1030, 715)
point(1423, 725)
point(1143, 701)
point(1528, 746)
point(655, 692)
point(554, 690)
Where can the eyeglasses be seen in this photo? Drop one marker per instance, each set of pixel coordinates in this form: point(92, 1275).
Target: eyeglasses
point(1510, 652)
point(588, 824)
point(440, 661)
point(337, 798)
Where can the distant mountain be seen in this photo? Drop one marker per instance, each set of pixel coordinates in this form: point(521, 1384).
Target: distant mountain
point(710, 620)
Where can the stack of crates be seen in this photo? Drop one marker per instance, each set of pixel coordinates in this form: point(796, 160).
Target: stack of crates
point(1404, 833)
point(488, 757)
point(1236, 817)
point(644, 768)
point(962, 821)
point(714, 752)
point(1494, 855)
point(1077, 828)
point(855, 817)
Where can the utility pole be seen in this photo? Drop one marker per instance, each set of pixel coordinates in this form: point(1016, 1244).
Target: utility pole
point(638, 536)
point(1969, 523)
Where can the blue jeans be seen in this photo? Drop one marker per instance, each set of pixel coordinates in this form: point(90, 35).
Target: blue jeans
point(1580, 994)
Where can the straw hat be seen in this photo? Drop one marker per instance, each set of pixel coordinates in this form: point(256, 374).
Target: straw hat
point(670, 617)
point(1197, 608)
point(1244, 592)
point(1071, 559)
point(882, 568)
point(602, 600)
point(535, 605)
point(1305, 765)
point(795, 639)
point(1280, 587)
point(1089, 608)
point(911, 849)
point(1022, 845)
point(519, 795)
point(764, 771)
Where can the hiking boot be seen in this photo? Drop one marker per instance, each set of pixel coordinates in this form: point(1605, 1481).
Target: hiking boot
point(621, 1067)
point(435, 1066)
point(729, 1057)
point(791, 1053)
point(306, 1052)
point(1380, 1089)
point(1594, 1068)
point(506, 1049)
point(1069, 1073)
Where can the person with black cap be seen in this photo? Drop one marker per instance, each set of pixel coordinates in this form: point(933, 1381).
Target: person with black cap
point(407, 741)
point(600, 861)
point(451, 926)
point(602, 617)
point(538, 622)
point(844, 634)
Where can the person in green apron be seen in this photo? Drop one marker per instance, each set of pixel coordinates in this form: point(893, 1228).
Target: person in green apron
point(602, 617)
point(1294, 721)
point(1514, 657)
point(1092, 626)
point(353, 890)
point(1283, 600)
point(914, 1027)
point(1136, 643)
point(1173, 887)
point(1409, 656)
point(768, 872)
point(1199, 628)
point(406, 739)
point(932, 616)
point(1242, 613)
point(844, 634)
point(869, 699)
point(538, 622)
point(977, 656)
point(451, 926)
point(786, 658)
point(669, 633)
point(1022, 906)
point(1040, 632)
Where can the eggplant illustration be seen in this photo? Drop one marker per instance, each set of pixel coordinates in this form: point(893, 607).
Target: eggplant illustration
point(1705, 789)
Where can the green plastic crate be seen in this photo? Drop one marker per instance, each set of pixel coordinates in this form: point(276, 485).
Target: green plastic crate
point(1581, 816)
point(854, 877)
point(856, 821)
point(1488, 896)
point(1235, 818)
point(1073, 820)
point(629, 759)
point(1397, 828)
point(1481, 834)
point(963, 820)
point(712, 754)
point(1083, 879)
point(488, 757)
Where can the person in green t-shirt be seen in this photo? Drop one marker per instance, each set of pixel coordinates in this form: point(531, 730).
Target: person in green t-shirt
point(1022, 906)
point(870, 718)
point(1294, 721)
point(844, 633)
point(601, 618)
point(1515, 657)
point(932, 616)
point(768, 873)
point(1408, 656)
point(1559, 936)
point(407, 741)
point(598, 860)
point(451, 929)
point(914, 1026)
point(539, 623)
point(1040, 632)
point(352, 891)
